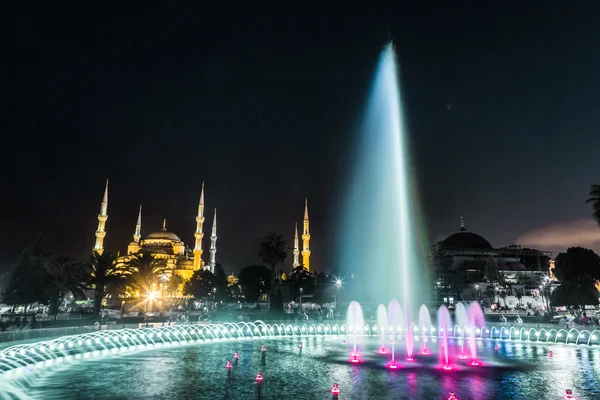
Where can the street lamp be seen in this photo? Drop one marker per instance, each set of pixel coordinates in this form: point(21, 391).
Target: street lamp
point(338, 285)
point(301, 291)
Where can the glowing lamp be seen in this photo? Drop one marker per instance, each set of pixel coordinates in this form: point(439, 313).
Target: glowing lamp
point(462, 357)
point(550, 354)
point(496, 347)
point(354, 358)
point(228, 366)
point(335, 390)
point(452, 396)
point(474, 363)
point(236, 355)
point(569, 395)
point(425, 351)
point(259, 377)
point(447, 367)
point(392, 365)
point(382, 350)
point(409, 358)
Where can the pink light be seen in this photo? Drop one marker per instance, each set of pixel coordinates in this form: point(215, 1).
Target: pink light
point(392, 365)
point(569, 395)
point(474, 363)
point(409, 358)
point(336, 389)
point(425, 351)
point(259, 377)
point(447, 367)
point(236, 355)
point(462, 357)
point(382, 350)
point(228, 366)
point(451, 396)
point(354, 359)
point(496, 347)
point(550, 354)
point(264, 348)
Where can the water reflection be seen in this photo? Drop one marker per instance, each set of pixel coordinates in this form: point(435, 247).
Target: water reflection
point(517, 371)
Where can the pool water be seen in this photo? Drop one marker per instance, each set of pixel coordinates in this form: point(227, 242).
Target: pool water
point(197, 371)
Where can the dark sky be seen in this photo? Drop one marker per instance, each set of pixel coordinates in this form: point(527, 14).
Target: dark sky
point(265, 111)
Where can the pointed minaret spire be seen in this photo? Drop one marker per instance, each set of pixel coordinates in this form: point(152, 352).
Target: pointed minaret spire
point(213, 245)
point(199, 234)
point(138, 227)
point(306, 239)
point(164, 227)
point(296, 249)
point(462, 225)
point(102, 217)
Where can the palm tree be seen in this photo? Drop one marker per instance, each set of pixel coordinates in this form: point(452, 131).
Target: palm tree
point(595, 201)
point(143, 271)
point(62, 276)
point(272, 252)
point(103, 276)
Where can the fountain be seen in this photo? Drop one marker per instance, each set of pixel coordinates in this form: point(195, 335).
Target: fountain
point(444, 325)
point(382, 326)
point(356, 323)
point(424, 327)
point(476, 318)
point(462, 320)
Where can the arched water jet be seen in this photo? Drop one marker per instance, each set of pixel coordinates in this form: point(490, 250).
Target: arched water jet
point(444, 325)
point(382, 324)
point(476, 318)
point(356, 321)
point(462, 320)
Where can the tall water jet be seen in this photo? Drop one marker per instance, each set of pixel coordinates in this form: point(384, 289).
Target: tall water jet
point(476, 319)
point(394, 318)
point(462, 321)
point(382, 327)
point(424, 327)
point(356, 323)
point(444, 325)
point(378, 227)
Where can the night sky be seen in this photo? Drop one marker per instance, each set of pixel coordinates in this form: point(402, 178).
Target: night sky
point(502, 108)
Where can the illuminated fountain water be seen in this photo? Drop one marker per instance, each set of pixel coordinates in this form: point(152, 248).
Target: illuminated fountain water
point(424, 328)
point(476, 318)
point(462, 323)
point(356, 323)
point(383, 326)
point(444, 323)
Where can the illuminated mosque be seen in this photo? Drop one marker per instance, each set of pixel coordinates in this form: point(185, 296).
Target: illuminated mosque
point(163, 244)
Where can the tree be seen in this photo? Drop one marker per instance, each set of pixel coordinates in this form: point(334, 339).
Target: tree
point(200, 284)
point(62, 276)
point(577, 294)
point(255, 280)
point(174, 283)
point(302, 278)
point(25, 282)
point(220, 283)
point(143, 272)
point(273, 250)
point(577, 265)
point(102, 276)
point(594, 200)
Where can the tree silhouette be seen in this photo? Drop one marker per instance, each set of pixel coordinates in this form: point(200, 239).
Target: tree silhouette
point(255, 280)
point(103, 275)
point(594, 200)
point(63, 276)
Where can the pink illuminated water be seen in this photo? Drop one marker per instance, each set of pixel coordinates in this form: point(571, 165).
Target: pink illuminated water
point(444, 325)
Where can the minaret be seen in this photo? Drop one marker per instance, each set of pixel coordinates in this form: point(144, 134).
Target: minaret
point(306, 239)
point(199, 234)
point(134, 246)
point(102, 217)
point(138, 227)
point(462, 225)
point(213, 245)
point(296, 249)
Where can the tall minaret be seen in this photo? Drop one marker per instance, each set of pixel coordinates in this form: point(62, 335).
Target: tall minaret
point(213, 244)
point(102, 217)
point(199, 234)
point(306, 239)
point(134, 246)
point(296, 249)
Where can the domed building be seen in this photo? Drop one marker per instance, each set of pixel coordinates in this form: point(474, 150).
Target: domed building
point(480, 264)
point(163, 244)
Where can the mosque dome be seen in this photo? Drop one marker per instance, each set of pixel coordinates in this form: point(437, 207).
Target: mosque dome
point(163, 234)
point(466, 240)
